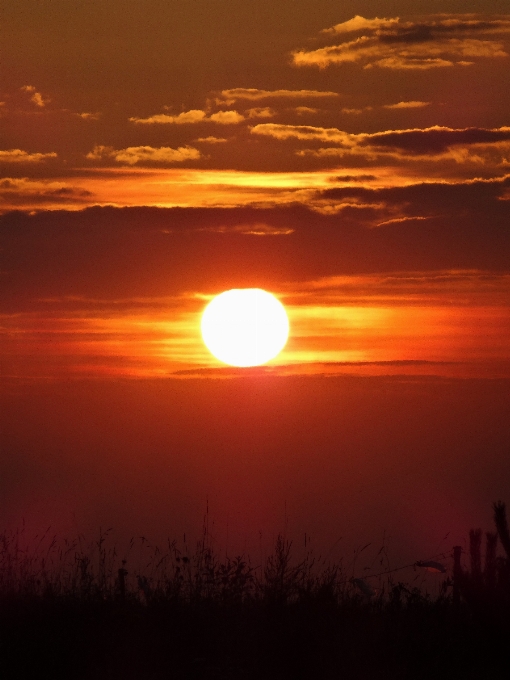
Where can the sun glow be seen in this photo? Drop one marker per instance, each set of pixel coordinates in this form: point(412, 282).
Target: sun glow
point(245, 327)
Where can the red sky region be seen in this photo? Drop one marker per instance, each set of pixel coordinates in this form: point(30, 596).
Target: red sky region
point(408, 461)
point(354, 161)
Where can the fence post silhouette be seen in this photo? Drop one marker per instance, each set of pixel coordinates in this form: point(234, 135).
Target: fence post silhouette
point(457, 574)
point(122, 583)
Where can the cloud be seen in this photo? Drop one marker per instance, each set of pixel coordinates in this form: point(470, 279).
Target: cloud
point(143, 154)
point(52, 256)
point(226, 117)
point(261, 112)
point(396, 220)
point(251, 229)
point(21, 101)
point(439, 42)
point(435, 139)
point(230, 96)
point(415, 64)
point(329, 152)
point(356, 112)
point(19, 156)
point(186, 185)
point(303, 110)
point(468, 287)
point(359, 23)
point(282, 132)
point(185, 118)
point(353, 178)
point(20, 192)
point(49, 256)
point(407, 105)
point(89, 116)
point(35, 97)
point(443, 205)
point(480, 145)
point(211, 140)
point(190, 117)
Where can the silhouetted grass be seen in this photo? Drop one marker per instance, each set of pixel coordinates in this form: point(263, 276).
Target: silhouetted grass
point(76, 611)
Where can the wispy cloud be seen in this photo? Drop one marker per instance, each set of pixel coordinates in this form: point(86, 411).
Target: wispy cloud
point(461, 145)
point(281, 131)
point(400, 105)
point(470, 286)
point(357, 191)
point(397, 220)
point(226, 117)
point(185, 118)
point(251, 229)
point(190, 118)
point(20, 156)
point(435, 139)
point(260, 112)
point(304, 110)
point(27, 101)
point(143, 154)
point(31, 193)
point(359, 23)
point(356, 112)
point(36, 98)
point(89, 116)
point(441, 202)
point(353, 178)
point(230, 96)
point(131, 184)
point(437, 42)
point(211, 140)
point(407, 105)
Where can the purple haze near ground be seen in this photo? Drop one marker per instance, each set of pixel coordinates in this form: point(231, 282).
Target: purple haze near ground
point(403, 461)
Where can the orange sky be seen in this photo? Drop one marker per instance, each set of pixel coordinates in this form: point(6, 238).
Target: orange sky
point(338, 324)
point(353, 160)
point(392, 124)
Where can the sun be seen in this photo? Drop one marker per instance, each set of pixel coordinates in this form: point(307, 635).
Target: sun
point(245, 327)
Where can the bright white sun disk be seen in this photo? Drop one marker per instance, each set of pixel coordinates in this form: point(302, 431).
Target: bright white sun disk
point(245, 327)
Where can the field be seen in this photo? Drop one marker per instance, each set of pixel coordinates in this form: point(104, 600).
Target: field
point(76, 612)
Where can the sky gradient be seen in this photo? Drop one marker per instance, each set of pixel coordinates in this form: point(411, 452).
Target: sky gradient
point(354, 160)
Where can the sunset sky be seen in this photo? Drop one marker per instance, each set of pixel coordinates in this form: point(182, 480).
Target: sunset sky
point(352, 158)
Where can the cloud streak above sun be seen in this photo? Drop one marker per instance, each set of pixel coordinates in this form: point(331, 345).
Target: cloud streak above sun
point(434, 139)
point(254, 94)
point(190, 118)
point(142, 154)
point(436, 42)
point(20, 156)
